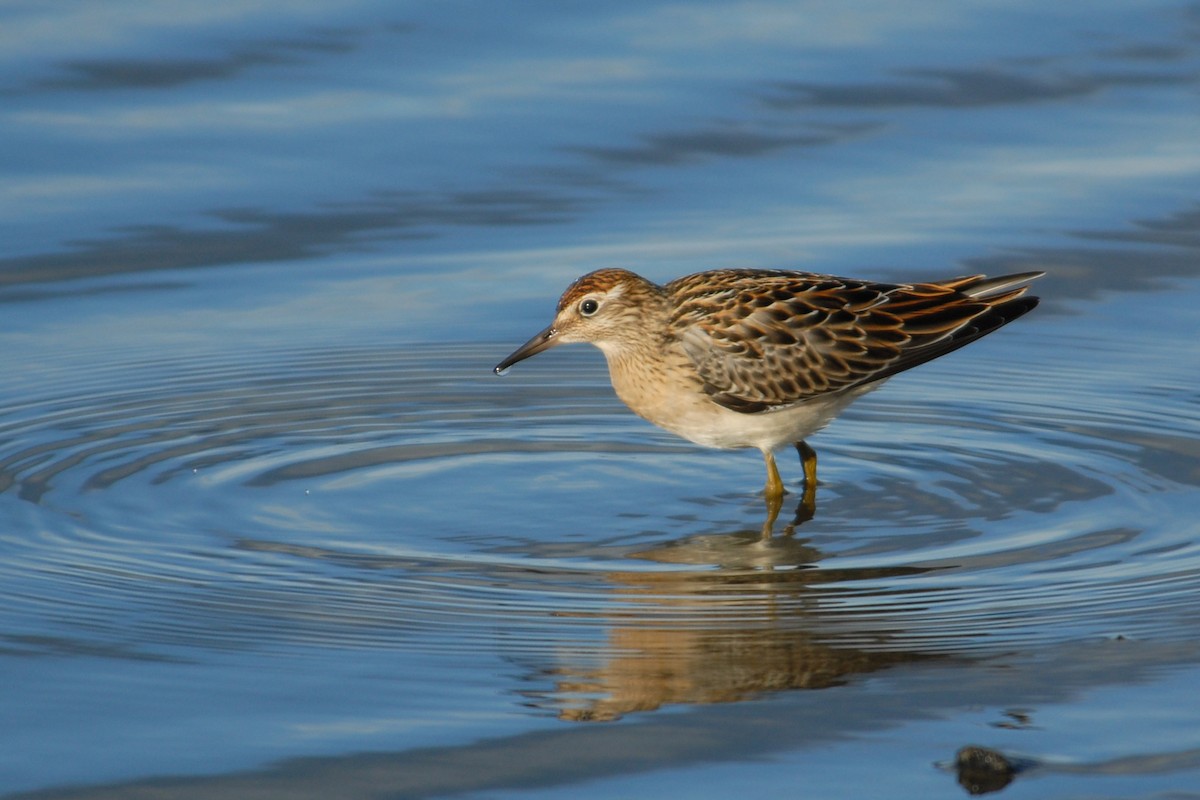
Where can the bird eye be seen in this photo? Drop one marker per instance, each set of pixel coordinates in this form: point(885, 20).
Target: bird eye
point(589, 307)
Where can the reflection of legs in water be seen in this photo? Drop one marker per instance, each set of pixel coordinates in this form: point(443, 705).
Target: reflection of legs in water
point(807, 507)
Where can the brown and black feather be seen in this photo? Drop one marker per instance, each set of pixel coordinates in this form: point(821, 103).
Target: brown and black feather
point(762, 340)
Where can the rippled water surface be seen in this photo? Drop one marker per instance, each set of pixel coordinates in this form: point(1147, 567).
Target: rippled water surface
point(269, 524)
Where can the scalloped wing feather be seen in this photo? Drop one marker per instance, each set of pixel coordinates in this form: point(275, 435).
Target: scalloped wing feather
point(761, 340)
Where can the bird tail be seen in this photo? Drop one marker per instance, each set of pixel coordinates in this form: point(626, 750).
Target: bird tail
point(993, 290)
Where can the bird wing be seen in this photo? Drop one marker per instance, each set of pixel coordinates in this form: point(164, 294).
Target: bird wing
point(761, 340)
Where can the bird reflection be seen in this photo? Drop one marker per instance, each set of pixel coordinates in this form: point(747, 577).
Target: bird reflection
point(751, 616)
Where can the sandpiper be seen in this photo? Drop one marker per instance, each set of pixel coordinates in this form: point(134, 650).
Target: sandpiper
point(761, 358)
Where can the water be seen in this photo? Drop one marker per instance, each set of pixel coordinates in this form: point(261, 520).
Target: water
point(269, 524)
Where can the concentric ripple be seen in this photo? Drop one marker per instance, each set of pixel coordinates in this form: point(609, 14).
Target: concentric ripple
point(406, 499)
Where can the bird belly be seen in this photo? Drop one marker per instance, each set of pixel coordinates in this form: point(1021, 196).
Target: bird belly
point(692, 414)
point(717, 426)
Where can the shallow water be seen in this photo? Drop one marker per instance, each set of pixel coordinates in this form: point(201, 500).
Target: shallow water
point(270, 524)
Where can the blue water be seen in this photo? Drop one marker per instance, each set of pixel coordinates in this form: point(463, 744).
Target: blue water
point(269, 524)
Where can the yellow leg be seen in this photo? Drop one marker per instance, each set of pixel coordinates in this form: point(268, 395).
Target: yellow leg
point(807, 508)
point(808, 459)
point(773, 493)
point(774, 488)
